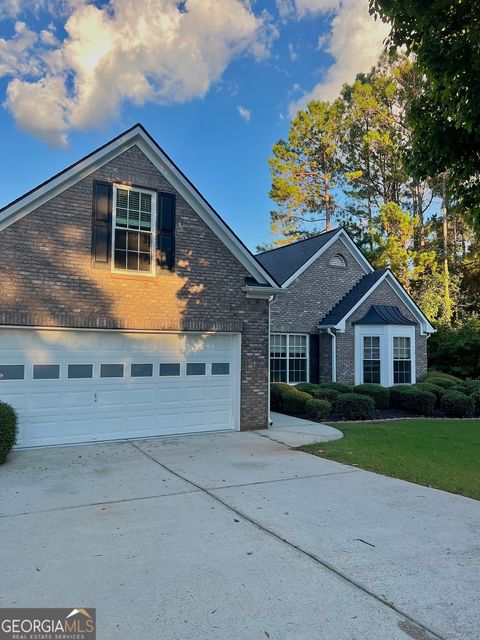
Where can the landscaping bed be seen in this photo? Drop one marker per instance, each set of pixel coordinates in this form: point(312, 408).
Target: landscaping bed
point(439, 395)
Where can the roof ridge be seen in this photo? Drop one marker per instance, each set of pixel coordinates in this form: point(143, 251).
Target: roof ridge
point(285, 246)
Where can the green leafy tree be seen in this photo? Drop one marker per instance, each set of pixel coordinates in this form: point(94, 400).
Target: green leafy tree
point(445, 116)
point(306, 170)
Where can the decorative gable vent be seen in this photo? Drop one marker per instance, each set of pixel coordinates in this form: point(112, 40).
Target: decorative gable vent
point(337, 261)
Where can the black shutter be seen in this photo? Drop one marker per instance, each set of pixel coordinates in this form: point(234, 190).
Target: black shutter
point(102, 225)
point(314, 364)
point(166, 231)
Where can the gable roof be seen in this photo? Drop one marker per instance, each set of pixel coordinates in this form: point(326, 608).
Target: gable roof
point(349, 300)
point(337, 317)
point(287, 263)
point(138, 136)
point(384, 314)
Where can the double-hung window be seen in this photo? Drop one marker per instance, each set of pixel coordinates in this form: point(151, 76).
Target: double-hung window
point(288, 358)
point(402, 360)
point(134, 229)
point(371, 359)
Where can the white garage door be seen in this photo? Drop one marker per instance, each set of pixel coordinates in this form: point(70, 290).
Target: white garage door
point(82, 386)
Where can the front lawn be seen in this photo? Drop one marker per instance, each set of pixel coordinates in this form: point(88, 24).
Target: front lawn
point(444, 454)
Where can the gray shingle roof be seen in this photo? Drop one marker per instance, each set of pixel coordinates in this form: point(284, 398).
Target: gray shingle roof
point(384, 314)
point(346, 304)
point(283, 262)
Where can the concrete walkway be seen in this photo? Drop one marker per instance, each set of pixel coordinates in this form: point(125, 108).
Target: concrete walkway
point(296, 432)
point(234, 536)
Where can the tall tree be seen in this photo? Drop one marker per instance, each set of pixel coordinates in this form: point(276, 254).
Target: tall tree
point(306, 170)
point(445, 117)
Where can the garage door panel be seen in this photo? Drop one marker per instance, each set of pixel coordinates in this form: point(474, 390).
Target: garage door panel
point(71, 408)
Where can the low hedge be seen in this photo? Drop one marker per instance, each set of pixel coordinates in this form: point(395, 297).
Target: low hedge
point(8, 430)
point(432, 373)
point(413, 400)
point(476, 398)
point(432, 388)
point(306, 387)
point(318, 409)
point(443, 382)
point(471, 386)
point(337, 386)
point(457, 405)
point(277, 389)
point(325, 394)
point(353, 406)
point(379, 394)
point(294, 402)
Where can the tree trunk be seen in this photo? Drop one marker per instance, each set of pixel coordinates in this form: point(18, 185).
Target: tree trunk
point(447, 304)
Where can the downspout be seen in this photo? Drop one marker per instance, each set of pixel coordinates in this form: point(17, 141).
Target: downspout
point(334, 353)
point(269, 418)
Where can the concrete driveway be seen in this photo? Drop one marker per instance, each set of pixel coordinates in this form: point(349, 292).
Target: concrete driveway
point(235, 537)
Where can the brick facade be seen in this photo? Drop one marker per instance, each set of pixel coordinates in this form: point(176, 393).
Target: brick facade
point(315, 292)
point(46, 279)
point(383, 294)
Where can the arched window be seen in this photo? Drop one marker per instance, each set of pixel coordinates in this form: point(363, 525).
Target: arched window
point(337, 261)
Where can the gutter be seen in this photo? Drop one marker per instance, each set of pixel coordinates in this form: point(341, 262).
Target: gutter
point(264, 293)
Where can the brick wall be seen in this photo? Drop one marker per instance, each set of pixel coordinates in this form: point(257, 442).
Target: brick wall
point(383, 294)
point(315, 292)
point(46, 279)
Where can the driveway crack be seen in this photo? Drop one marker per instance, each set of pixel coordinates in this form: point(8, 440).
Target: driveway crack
point(426, 632)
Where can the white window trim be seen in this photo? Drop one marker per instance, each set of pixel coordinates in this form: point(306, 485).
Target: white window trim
point(307, 356)
point(386, 333)
point(131, 272)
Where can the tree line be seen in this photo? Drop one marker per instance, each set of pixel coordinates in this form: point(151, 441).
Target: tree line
point(395, 159)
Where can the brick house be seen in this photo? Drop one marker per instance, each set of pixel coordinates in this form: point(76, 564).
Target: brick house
point(128, 308)
point(340, 319)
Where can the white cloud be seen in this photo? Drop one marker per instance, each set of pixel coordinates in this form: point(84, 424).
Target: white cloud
point(355, 43)
point(292, 52)
point(127, 50)
point(245, 113)
point(301, 8)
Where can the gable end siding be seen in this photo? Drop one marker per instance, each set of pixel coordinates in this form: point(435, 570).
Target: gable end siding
point(47, 278)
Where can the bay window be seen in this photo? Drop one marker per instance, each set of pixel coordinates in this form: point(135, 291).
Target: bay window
point(371, 359)
point(402, 360)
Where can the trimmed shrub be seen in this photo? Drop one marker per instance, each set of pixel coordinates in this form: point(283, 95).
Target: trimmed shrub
point(337, 386)
point(413, 400)
point(431, 388)
point(8, 430)
point(353, 406)
point(432, 373)
point(294, 402)
point(471, 386)
point(277, 389)
point(457, 405)
point(306, 387)
point(443, 382)
point(325, 394)
point(380, 395)
point(318, 409)
point(476, 398)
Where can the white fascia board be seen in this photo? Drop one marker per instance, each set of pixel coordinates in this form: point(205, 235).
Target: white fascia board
point(425, 326)
point(137, 136)
point(341, 326)
point(342, 235)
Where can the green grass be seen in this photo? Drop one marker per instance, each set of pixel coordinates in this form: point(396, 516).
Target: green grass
point(444, 454)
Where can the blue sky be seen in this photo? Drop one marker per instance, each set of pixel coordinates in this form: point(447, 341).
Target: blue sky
point(216, 111)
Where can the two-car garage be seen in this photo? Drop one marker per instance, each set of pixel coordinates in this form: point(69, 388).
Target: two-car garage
point(72, 386)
